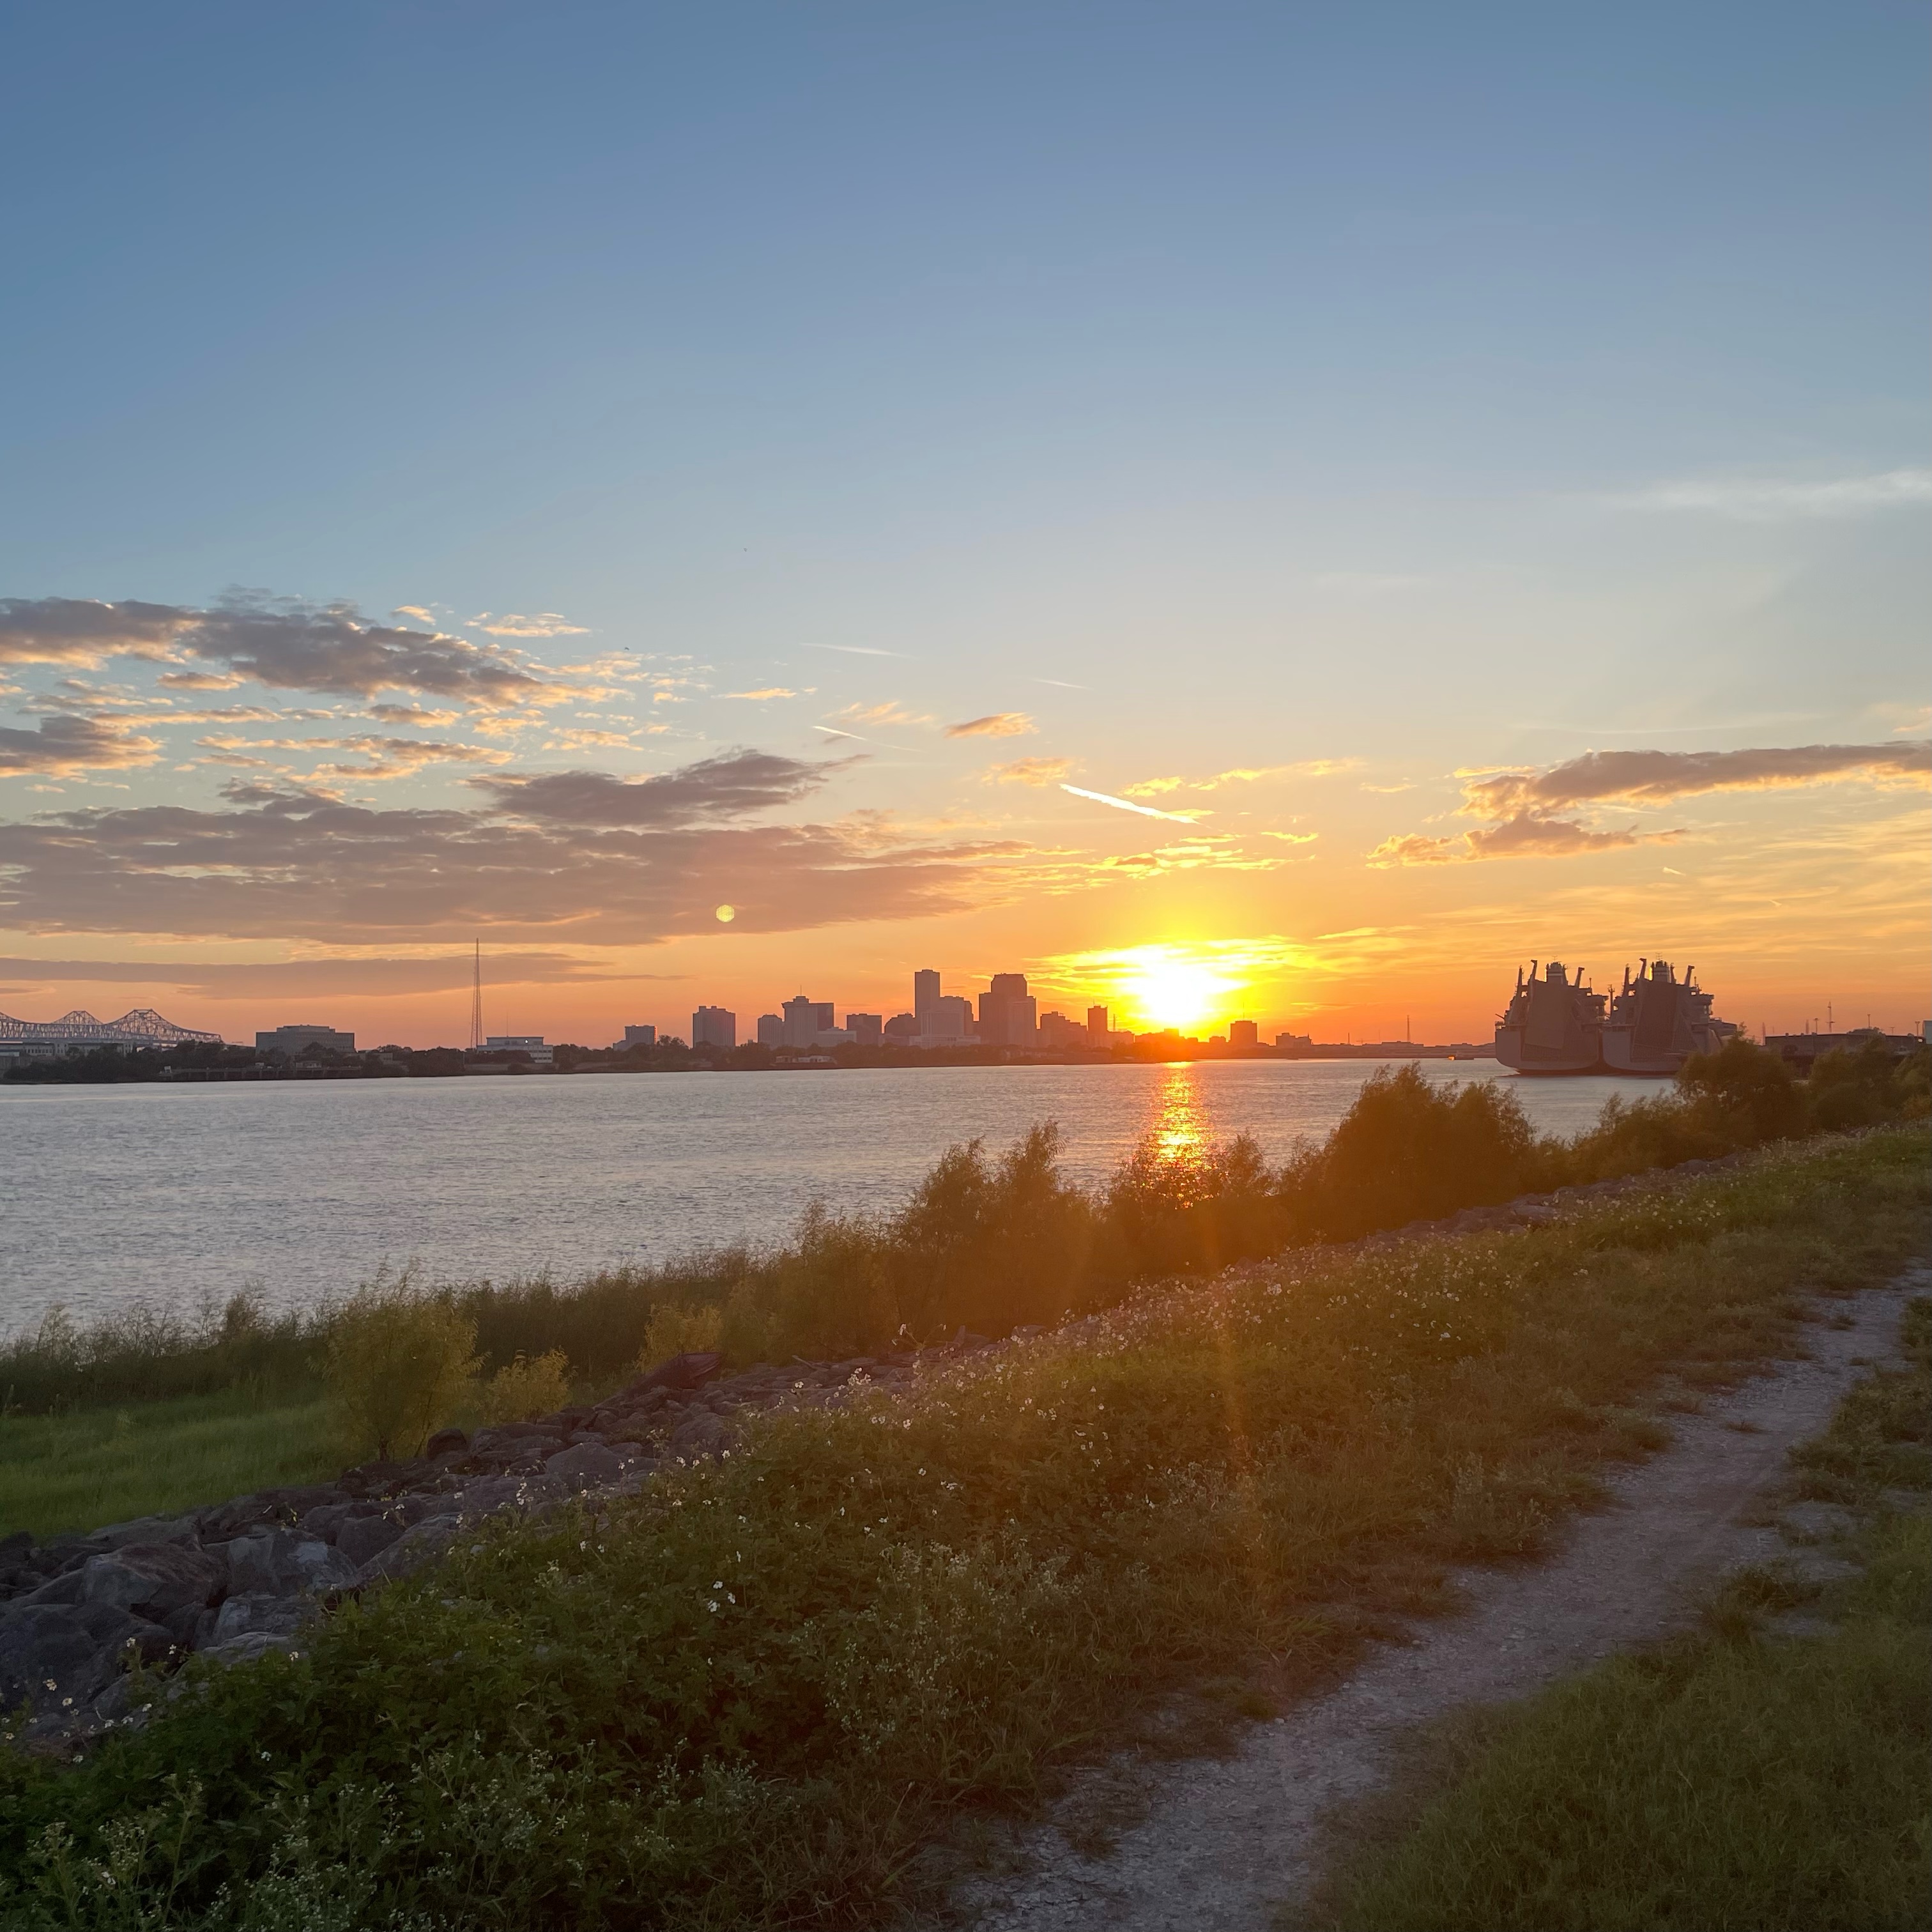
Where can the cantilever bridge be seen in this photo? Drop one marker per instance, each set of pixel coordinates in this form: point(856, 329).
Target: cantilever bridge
point(142, 1027)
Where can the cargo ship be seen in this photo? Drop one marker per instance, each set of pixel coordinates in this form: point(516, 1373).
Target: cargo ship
point(1557, 1024)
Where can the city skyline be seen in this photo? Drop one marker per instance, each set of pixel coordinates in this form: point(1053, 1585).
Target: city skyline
point(1183, 513)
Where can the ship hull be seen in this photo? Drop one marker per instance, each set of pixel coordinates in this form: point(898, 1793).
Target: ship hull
point(1566, 1061)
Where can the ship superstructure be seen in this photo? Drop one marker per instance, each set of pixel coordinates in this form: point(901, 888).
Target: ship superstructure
point(1656, 1022)
point(1554, 1025)
point(1557, 1024)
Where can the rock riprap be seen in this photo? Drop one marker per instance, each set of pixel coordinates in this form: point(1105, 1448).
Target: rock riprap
point(242, 1578)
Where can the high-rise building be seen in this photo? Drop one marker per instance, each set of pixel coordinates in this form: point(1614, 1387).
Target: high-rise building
point(948, 1021)
point(771, 1029)
point(1096, 1025)
point(714, 1026)
point(1243, 1032)
point(640, 1036)
point(865, 1028)
point(925, 997)
point(801, 1026)
point(1008, 1013)
point(1058, 1031)
point(902, 1027)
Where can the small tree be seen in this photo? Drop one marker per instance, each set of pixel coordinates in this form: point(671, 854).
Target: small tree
point(400, 1362)
point(525, 1388)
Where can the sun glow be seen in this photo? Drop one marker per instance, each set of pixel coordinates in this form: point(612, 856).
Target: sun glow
point(1164, 985)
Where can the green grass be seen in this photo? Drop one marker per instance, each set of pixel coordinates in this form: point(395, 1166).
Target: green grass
point(762, 1692)
point(1740, 1779)
point(78, 1470)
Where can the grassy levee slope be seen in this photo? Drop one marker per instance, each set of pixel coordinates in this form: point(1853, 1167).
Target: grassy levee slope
point(94, 1465)
point(1739, 1778)
point(751, 1696)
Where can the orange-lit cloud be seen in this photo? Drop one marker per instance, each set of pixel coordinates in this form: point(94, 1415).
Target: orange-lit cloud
point(63, 745)
point(1309, 768)
point(1525, 807)
point(769, 690)
point(1030, 772)
point(514, 624)
point(995, 724)
point(1656, 777)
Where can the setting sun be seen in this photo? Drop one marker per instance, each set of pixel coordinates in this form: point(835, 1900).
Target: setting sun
point(1172, 990)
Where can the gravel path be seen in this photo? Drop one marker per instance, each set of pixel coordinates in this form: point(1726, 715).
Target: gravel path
point(1223, 1843)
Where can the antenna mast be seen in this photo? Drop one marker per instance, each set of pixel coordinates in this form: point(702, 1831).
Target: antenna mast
point(476, 999)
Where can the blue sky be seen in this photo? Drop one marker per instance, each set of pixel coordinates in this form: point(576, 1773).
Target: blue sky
point(1407, 387)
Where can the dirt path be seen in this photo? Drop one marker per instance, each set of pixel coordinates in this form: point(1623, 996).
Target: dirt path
point(1223, 1843)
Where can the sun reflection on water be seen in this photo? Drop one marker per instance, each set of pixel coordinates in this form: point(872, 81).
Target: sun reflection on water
point(1180, 1127)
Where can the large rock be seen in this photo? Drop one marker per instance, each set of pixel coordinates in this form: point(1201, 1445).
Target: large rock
point(283, 1563)
point(60, 1657)
point(585, 1466)
point(701, 1433)
point(361, 1537)
point(411, 1550)
point(276, 1616)
point(154, 1579)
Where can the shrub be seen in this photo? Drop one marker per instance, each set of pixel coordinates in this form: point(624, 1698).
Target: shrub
point(988, 1245)
point(1743, 1093)
point(524, 1388)
point(1410, 1151)
point(400, 1362)
point(676, 1331)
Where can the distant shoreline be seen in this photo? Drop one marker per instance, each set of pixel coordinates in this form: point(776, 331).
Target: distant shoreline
point(844, 1059)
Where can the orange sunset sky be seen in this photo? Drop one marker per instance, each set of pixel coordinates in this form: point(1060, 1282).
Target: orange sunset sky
point(1240, 515)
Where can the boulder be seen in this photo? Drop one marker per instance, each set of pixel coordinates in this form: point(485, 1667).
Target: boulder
point(690, 1370)
point(282, 1563)
point(586, 1466)
point(155, 1578)
point(251, 1647)
point(360, 1537)
point(278, 1616)
point(144, 1529)
point(410, 1550)
point(701, 1433)
point(446, 1442)
point(61, 1658)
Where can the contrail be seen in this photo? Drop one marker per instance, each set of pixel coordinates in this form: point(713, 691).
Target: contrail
point(1125, 805)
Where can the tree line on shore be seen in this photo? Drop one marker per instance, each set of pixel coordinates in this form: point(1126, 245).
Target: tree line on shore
point(990, 1242)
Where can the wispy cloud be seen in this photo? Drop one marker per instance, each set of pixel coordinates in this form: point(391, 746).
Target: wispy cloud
point(1765, 499)
point(854, 650)
point(1307, 768)
point(759, 696)
point(995, 724)
point(516, 624)
point(1030, 772)
point(889, 713)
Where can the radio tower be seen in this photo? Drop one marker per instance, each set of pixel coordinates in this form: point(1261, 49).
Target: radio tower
point(476, 999)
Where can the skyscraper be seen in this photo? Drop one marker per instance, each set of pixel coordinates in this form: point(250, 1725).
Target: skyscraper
point(1096, 1025)
point(1008, 1012)
point(924, 997)
point(714, 1026)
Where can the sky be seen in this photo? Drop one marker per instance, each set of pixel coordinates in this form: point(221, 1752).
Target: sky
point(1320, 505)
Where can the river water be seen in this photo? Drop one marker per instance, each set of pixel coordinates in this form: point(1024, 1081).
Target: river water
point(112, 1196)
